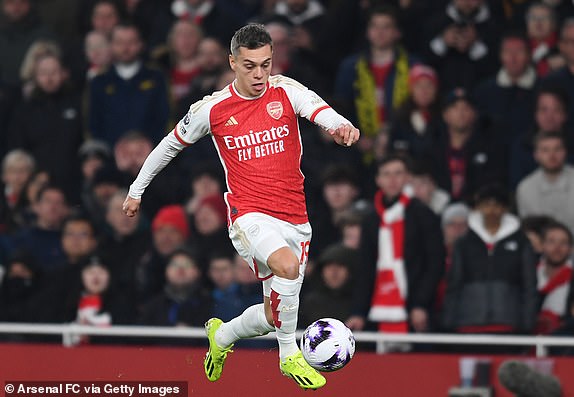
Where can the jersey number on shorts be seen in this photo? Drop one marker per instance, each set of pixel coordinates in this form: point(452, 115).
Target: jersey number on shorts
point(304, 252)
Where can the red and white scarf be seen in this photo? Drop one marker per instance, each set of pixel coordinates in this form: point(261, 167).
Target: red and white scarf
point(388, 306)
point(555, 291)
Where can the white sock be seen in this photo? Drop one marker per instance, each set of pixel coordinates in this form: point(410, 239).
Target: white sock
point(252, 322)
point(285, 306)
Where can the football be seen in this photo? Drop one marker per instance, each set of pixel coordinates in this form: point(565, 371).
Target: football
point(327, 345)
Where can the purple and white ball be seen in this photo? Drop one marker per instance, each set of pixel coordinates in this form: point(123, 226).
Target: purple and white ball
point(327, 345)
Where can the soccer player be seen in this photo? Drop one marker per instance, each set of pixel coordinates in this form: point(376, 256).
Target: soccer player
point(253, 123)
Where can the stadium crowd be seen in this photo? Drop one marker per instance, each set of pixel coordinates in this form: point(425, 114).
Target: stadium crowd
point(466, 110)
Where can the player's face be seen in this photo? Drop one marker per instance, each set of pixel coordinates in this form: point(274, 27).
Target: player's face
point(252, 69)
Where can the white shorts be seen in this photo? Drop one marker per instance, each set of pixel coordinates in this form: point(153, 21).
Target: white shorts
point(256, 236)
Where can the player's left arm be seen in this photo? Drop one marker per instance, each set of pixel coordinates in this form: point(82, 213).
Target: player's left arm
point(308, 104)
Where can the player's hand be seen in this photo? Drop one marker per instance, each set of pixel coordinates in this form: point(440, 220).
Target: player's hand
point(131, 206)
point(345, 135)
point(355, 323)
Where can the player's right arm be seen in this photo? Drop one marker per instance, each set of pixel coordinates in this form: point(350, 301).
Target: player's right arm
point(193, 126)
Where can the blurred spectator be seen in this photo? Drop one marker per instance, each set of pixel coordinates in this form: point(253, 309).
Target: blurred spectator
point(205, 181)
point(416, 124)
point(554, 277)
point(402, 256)
point(210, 229)
point(541, 27)
point(212, 62)
point(564, 77)
point(251, 289)
point(38, 50)
point(462, 43)
point(107, 180)
point(61, 18)
point(454, 222)
point(18, 289)
point(507, 97)
point(350, 225)
point(227, 302)
point(130, 152)
point(426, 190)
point(550, 115)
point(19, 27)
point(214, 20)
point(49, 125)
point(306, 16)
point(125, 243)
point(43, 240)
point(371, 85)
point(183, 301)
point(95, 301)
point(17, 169)
point(339, 192)
point(533, 226)
point(93, 155)
point(491, 284)
point(98, 51)
point(104, 16)
point(291, 61)
point(468, 153)
point(129, 95)
point(78, 240)
point(179, 58)
point(332, 295)
point(170, 231)
point(322, 153)
point(550, 189)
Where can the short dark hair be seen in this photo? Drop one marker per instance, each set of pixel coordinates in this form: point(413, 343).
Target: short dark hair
point(338, 174)
point(48, 187)
point(542, 136)
point(557, 226)
point(406, 160)
point(536, 223)
point(387, 10)
point(494, 191)
point(515, 35)
point(557, 92)
point(79, 217)
point(250, 36)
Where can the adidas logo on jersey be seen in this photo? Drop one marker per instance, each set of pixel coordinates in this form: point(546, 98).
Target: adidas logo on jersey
point(231, 121)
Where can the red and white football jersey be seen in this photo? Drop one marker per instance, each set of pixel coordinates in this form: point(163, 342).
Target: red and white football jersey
point(259, 145)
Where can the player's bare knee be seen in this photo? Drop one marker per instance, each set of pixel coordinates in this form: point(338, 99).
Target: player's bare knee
point(283, 263)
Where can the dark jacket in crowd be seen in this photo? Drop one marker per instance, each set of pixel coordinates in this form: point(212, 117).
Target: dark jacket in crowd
point(168, 309)
point(457, 69)
point(424, 256)
point(15, 39)
point(491, 284)
point(50, 127)
point(485, 161)
point(117, 106)
point(510, 106)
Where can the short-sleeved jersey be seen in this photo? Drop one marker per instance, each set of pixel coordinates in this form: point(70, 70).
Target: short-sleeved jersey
point(259, 144)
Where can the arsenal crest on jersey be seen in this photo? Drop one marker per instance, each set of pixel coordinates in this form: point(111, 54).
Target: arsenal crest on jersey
point(275, 109)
